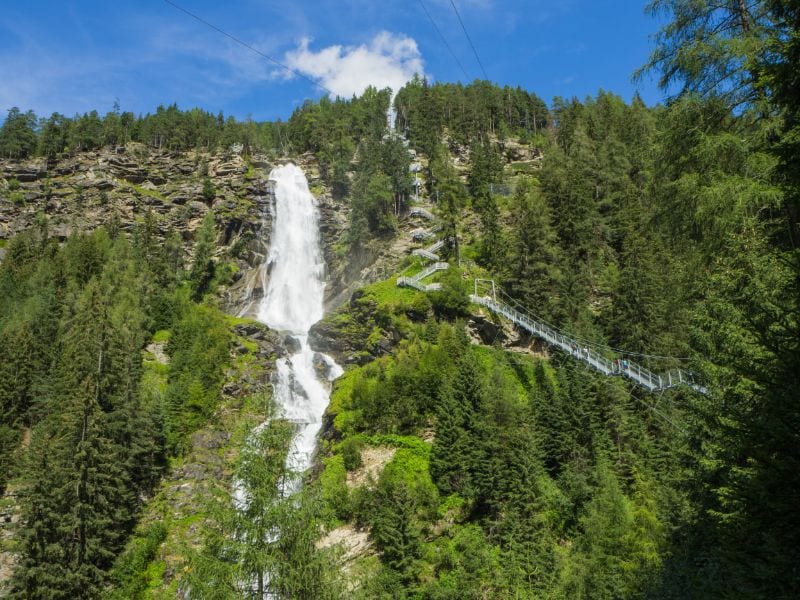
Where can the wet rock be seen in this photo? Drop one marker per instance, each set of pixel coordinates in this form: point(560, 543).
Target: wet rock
point(210, 440)
point(292, 344)
point(197, 208)
point(104, 184)
point(61, 231)
point(228, 169)
point(322, 367)
point(323, 338)
point(255, 331)
point(383, 346)
point(297, 389)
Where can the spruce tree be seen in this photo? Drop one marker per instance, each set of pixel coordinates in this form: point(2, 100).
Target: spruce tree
point(203, 266)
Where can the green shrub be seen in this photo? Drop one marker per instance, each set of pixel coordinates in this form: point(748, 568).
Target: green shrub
point(453, 299)
point(333, 485)
point(13, 184)
point(131, 573)
point(199, 353)
point(419, 308)
point(351, 453)
point(209, 191)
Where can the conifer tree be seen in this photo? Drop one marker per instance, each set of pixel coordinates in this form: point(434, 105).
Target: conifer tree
point(203, 266)
point(77, 509)
point(534, 267)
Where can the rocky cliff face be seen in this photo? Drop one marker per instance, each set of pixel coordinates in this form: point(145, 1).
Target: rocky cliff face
point(125, 186)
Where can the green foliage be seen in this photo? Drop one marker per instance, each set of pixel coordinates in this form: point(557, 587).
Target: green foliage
point(507, 482)
point(130, 575)
point(17, 135)
point(209, 191)
point(203, 266)
point(73, 323)
point(466, 112)
point(452, 300)
point(535, 259)
point(199, 352)
point(264, 542)
point(669, 232)
point(170, 128)
point(351, 453)
point(710, 49)
point(333, 486)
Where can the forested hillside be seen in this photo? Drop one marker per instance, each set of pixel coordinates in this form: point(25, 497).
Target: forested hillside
point(459, 458)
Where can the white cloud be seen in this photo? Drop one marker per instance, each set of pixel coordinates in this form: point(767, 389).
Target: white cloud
point(388, 60)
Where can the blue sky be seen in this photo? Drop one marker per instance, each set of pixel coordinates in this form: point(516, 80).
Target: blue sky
point(77, 55)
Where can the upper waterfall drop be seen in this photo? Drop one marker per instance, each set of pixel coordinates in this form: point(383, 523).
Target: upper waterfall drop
point(293, 300)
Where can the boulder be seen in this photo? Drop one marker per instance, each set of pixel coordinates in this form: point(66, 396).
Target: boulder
point(28, 174)
point(292, 344)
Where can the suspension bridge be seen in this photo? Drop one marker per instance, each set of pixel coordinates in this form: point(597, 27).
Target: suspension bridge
point(578, 349)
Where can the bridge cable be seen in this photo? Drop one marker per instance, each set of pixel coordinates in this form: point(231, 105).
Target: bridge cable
point(444, 40)
point(249, 47)
point(469, 39)
point(586, 342)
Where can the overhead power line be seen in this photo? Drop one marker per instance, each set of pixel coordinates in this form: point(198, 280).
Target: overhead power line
point(249, 47)
point(444, 40)
point(469, 39)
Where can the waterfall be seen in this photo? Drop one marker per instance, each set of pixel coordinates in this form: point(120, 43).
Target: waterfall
point(293, 302)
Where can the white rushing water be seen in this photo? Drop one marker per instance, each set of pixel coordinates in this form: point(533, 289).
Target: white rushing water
point(293, 302)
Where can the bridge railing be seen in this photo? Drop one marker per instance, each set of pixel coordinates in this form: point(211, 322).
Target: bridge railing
point(421, 212)
point(633, 371)
point(425, 253)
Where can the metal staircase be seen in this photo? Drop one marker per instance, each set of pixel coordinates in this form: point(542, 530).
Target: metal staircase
point(415, 281)
point(418, 211)
point(430, 252)
point(421, 235)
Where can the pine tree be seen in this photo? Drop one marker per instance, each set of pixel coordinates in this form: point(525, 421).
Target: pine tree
point(17, 135)
point(263, 543)
point(78, 498)
point(203, 266)
point(535, 260)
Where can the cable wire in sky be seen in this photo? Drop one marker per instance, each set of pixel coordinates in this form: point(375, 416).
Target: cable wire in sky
point(469, 39)
point(441, 35)
point(249, 47)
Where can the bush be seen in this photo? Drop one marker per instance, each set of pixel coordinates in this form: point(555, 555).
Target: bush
point(130, 573)
point(209, 191)
point(453, 299)
point(419, 308)
point(13, 184)
point(351, 453)
point(333, 485)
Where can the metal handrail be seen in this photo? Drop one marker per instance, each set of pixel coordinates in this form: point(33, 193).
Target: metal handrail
point(639, 375)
